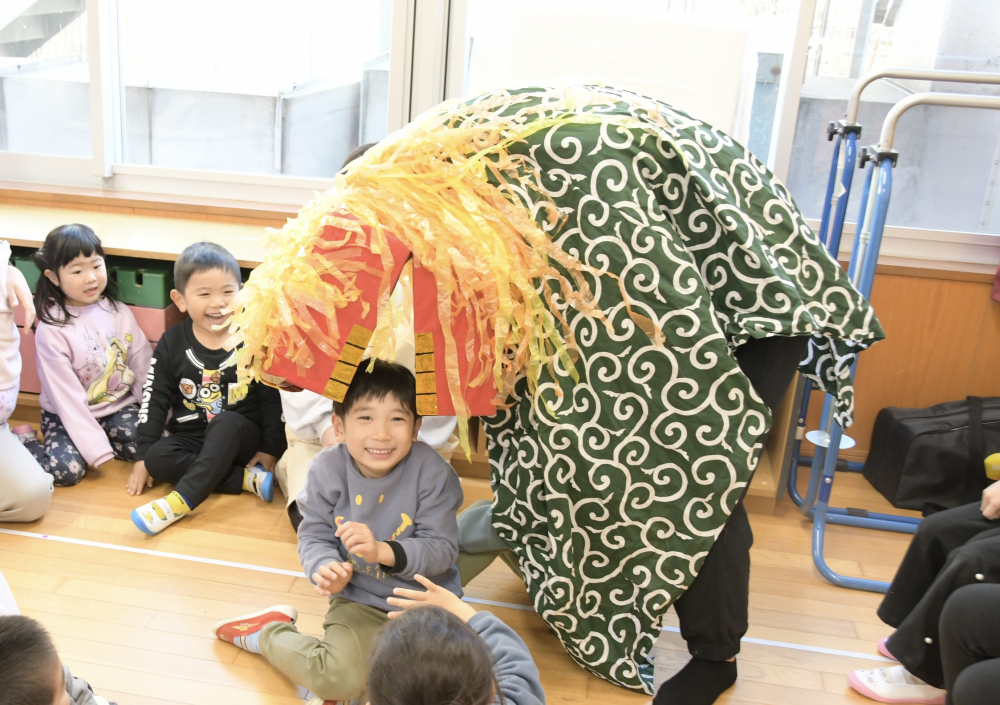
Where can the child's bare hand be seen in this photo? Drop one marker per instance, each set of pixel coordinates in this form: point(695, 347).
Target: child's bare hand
point(19, 293)
point(264, 460)
point(332, 578)
point(139, 480)
point(435, 596)
point(359, 540)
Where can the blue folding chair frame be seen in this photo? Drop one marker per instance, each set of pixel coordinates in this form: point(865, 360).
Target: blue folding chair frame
point(864, 255)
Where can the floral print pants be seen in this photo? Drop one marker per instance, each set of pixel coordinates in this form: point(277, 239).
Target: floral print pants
point(60, 457)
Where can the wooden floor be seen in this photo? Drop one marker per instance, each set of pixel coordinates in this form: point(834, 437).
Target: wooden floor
point(138, 627)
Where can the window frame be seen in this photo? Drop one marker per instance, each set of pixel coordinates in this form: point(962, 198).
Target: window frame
point(427, 65)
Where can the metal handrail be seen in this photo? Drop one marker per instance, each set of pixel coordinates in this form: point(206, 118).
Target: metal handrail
point(914, 75)
point(884, 150)
point(954, 100)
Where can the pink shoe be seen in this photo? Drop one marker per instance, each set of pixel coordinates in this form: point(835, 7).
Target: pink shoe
point(895, 685)
point(23, 432)
point(884, 650)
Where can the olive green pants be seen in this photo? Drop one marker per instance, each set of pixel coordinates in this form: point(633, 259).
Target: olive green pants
point(334, 667)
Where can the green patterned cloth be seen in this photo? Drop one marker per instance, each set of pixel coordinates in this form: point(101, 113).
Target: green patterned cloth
point(612, 494)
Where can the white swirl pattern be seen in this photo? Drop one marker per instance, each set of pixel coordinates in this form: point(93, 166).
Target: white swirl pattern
point(612, 493)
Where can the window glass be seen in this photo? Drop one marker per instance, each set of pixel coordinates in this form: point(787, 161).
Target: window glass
point(44, 78)
point(947, 174)
point(253, 86)
point(720, 60)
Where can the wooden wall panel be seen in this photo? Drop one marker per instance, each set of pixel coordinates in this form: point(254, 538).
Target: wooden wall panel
point(942, 344)
point(984, 381)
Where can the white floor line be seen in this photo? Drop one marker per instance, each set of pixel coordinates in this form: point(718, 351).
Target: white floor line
point(475, 600)
point(804, 647)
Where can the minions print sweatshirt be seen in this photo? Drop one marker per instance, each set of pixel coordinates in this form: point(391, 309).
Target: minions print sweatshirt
point(414, 509)
point(196, 384)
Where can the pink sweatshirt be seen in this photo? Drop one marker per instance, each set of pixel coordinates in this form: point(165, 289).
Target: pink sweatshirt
point(90, 368)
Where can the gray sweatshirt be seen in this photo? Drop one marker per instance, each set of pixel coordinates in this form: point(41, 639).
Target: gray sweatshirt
point(515, 669)
point(79, 691)
point(413, 508)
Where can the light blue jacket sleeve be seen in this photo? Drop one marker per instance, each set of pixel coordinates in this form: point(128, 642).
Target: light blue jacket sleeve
point(516, 671)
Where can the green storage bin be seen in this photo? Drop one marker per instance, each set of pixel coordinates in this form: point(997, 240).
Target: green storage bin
point(21, 257)
point(143, 282)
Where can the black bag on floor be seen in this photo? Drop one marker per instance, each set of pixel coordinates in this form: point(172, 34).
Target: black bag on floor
point(932, 459)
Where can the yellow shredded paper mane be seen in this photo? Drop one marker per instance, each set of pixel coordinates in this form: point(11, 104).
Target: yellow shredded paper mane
point(428, 184)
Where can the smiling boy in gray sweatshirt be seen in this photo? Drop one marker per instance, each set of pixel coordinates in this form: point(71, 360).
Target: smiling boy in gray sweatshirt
point(377, 509)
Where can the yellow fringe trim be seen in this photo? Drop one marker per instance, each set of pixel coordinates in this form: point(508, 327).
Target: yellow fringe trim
point(427, 184)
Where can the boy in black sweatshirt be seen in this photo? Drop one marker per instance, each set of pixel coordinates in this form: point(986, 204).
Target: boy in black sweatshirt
point(219, 439)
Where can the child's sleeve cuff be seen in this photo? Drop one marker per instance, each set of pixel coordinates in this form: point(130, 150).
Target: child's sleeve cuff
point(400, 558)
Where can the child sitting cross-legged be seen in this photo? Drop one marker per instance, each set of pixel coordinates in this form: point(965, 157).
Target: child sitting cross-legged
point(222, 438)
point(378, 509)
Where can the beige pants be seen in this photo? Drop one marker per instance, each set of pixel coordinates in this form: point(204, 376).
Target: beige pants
point(334, 667)
point(25, 489)
point(291, 468)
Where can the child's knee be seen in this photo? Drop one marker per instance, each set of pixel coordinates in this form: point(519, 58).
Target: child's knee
point(30, 494)
point(65, 471)
point(338, 683)
point(38, 496)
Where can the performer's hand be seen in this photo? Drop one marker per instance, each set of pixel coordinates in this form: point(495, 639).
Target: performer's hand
point(436, 596)
point(264, 460)
point(359, 540)
point(332, 578)
point(990, 506)
point(139, 480)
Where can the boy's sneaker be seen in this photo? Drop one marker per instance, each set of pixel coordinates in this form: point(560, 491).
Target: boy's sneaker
point(153, 517)
point(895, 685)
point(259, 481)
point(244, 631)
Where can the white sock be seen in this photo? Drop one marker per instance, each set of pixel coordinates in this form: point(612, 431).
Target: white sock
point(249, 642)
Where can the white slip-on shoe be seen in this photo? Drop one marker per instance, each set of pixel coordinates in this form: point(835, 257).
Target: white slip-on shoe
point(895, 685)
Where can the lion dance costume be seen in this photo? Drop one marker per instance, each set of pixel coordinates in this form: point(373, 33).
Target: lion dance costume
point(581, 263)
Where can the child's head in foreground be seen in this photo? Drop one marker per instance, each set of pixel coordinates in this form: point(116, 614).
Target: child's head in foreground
point(428, 655)
point(206, 278)
point(71, 261)
point(378, 418)
point(30, 670)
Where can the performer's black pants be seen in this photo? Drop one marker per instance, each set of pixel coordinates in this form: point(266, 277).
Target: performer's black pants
point(713, 612)
point(208, 461)
point(970, 645)
point(951, 550)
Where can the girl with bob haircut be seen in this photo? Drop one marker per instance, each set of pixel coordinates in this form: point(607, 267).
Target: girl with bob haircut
point(438, 649)
point(92, 359)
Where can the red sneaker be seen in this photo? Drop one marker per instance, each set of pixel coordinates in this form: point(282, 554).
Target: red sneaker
point(235, 631)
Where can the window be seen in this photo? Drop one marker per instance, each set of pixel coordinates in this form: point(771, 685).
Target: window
point(949, 158)
point(720, 60)
point(44, 78)
point(253, 86)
